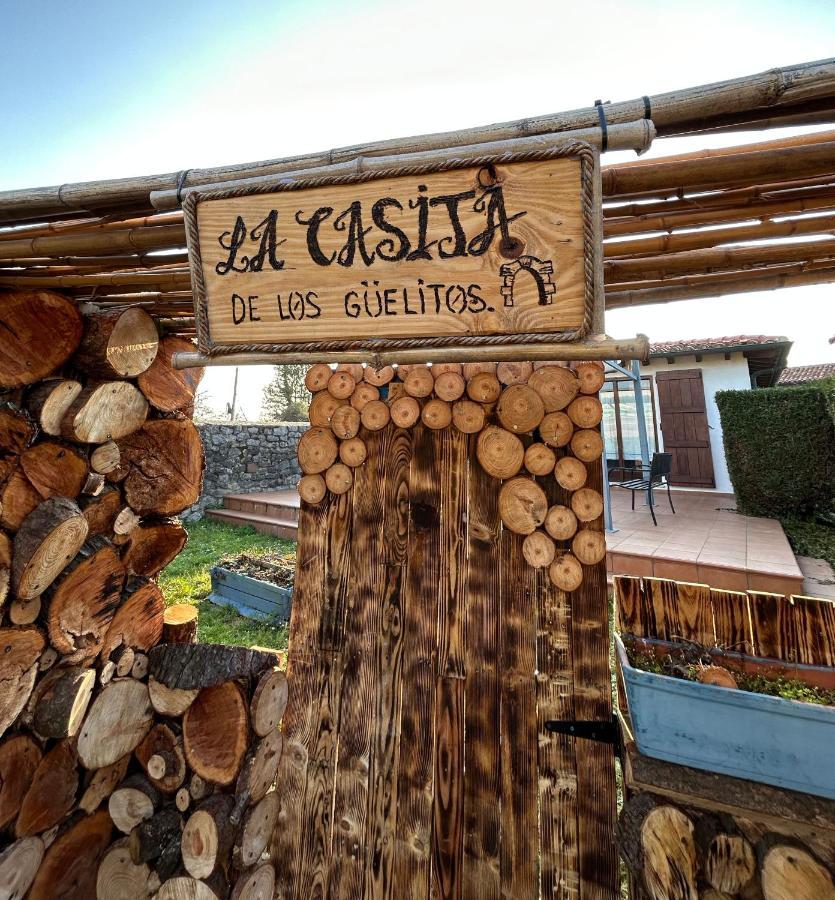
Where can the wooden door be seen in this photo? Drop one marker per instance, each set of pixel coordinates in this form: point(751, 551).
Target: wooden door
point(681, 402)
point(425, 658)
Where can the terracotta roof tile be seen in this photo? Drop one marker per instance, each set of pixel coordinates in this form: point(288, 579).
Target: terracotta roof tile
point(805, 374)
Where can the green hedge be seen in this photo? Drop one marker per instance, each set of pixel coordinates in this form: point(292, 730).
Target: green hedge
point(780, 448)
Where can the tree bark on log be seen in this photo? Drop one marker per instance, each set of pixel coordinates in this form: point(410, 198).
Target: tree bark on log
point(17, 431)
point(20, 757)
point(165, 461)
point(120, 343)
point(52, 793)
point(168, 389)
point(41, 330)
point(70, 866)
point(48, 538)
point(216, 732)
point(118, 719)
point(191, 666)
point(149, 838)
point(138, 621)
point(61, 707)
point(104, 412)
point(152, 545)
point(54, 470)
point(83, 602)
point(208, 836)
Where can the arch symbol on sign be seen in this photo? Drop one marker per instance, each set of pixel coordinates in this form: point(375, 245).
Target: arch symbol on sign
point(540, 269)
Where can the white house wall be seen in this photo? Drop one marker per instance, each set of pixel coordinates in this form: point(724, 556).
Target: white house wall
point(718, 374)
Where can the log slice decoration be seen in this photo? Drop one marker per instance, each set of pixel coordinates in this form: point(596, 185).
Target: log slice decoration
point(450, 386)
point(585, 411)
point(587, 445)
point(341, 385)
point(317, 377)
point(589, 546)
point(19, 864)
point(351, 452)
point(339, 478)
point(83, 602)
point(540, 459)
point(566, 573)
point(70, 866)
point(104, 412)
point(557, 387)
point(317, 451)
point(405, 411)
point(570, 473)
point(363, 394)
point(20, 649)
point(215, 733)
point(165, 460)
point(484, 388)
point(48, 538)
point(312, 488)
point(520, 408)
point(20, 757)
point(118, 720)
point(345, 422)
point(269, 700)
point(591, 376)
point(500, 452)
point(255, 884)
point(514, 372)
point(419, 381)
point(190, 666)
point(378, 377)
point(538, 549)
point(168, 389)
point(522, 505)
point(560, 523)
point(375, 415)
point(587, 504)
point(322, 407)
point(468, 416)
point(556, 429)
point(120, 343)
point(436, 414)
point(17, 431)
point(41, 330)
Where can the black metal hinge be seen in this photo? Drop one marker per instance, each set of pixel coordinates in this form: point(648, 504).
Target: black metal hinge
point(605, 732)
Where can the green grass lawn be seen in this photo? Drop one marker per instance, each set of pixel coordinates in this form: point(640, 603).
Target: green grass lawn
point(188, 580)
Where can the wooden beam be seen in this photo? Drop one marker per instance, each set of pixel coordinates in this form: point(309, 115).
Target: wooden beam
point(591, 348)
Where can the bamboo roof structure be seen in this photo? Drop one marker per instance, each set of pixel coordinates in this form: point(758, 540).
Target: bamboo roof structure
point(754, 217)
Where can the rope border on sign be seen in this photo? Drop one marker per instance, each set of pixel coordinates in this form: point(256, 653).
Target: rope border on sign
point(579, 150)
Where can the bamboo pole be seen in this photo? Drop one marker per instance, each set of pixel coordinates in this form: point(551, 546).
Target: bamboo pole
point(593, 347)
point(705, 107)
point(742, 169)
point(89, 244)
point(764, 282)
point(698, 240)
point(161, 279)
point(706, 261)
point(637, 135)
point(73, 226)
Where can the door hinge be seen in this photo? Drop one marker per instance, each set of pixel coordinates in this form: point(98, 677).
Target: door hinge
point(602, 731)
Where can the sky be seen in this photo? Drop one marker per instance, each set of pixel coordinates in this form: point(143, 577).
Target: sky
point(97, 89)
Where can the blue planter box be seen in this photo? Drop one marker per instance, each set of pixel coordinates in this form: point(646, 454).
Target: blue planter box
point(250, 597)
point(781, 742)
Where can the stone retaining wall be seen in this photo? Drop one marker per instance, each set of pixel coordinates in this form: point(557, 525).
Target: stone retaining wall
point(243, 458)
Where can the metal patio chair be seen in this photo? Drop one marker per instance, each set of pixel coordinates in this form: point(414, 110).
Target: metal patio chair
point(640, 479)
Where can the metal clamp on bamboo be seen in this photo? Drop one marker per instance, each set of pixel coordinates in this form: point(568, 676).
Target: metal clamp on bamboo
point(590, 348)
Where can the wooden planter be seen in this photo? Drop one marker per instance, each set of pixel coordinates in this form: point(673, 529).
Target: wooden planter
point(762, 738)
point(250, 597)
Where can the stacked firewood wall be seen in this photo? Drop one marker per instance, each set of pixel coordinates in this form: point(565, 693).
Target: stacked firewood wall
point(126, 768)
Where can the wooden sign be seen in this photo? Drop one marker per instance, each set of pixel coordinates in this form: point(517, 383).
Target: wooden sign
point(497, 253)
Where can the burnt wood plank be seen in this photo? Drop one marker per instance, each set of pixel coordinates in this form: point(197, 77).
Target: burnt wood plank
point(518, 617)
point(730, 620)
point(628, 604)
point(772, 626)
point(359, 678)
point(337, 578)
point(596, 789)
point(448, 809)
point(482, 788)
point(695, 614)
point(411, 872)
point(815, 630)
point(558, 875)
point(385, 748)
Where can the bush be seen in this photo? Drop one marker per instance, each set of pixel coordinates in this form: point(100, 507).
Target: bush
point(780, 448)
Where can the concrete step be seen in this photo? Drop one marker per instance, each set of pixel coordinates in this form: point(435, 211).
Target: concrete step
point(283, 505)
point(287, 529)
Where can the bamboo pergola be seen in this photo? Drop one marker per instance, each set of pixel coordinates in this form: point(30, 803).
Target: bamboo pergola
point(705, 224)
